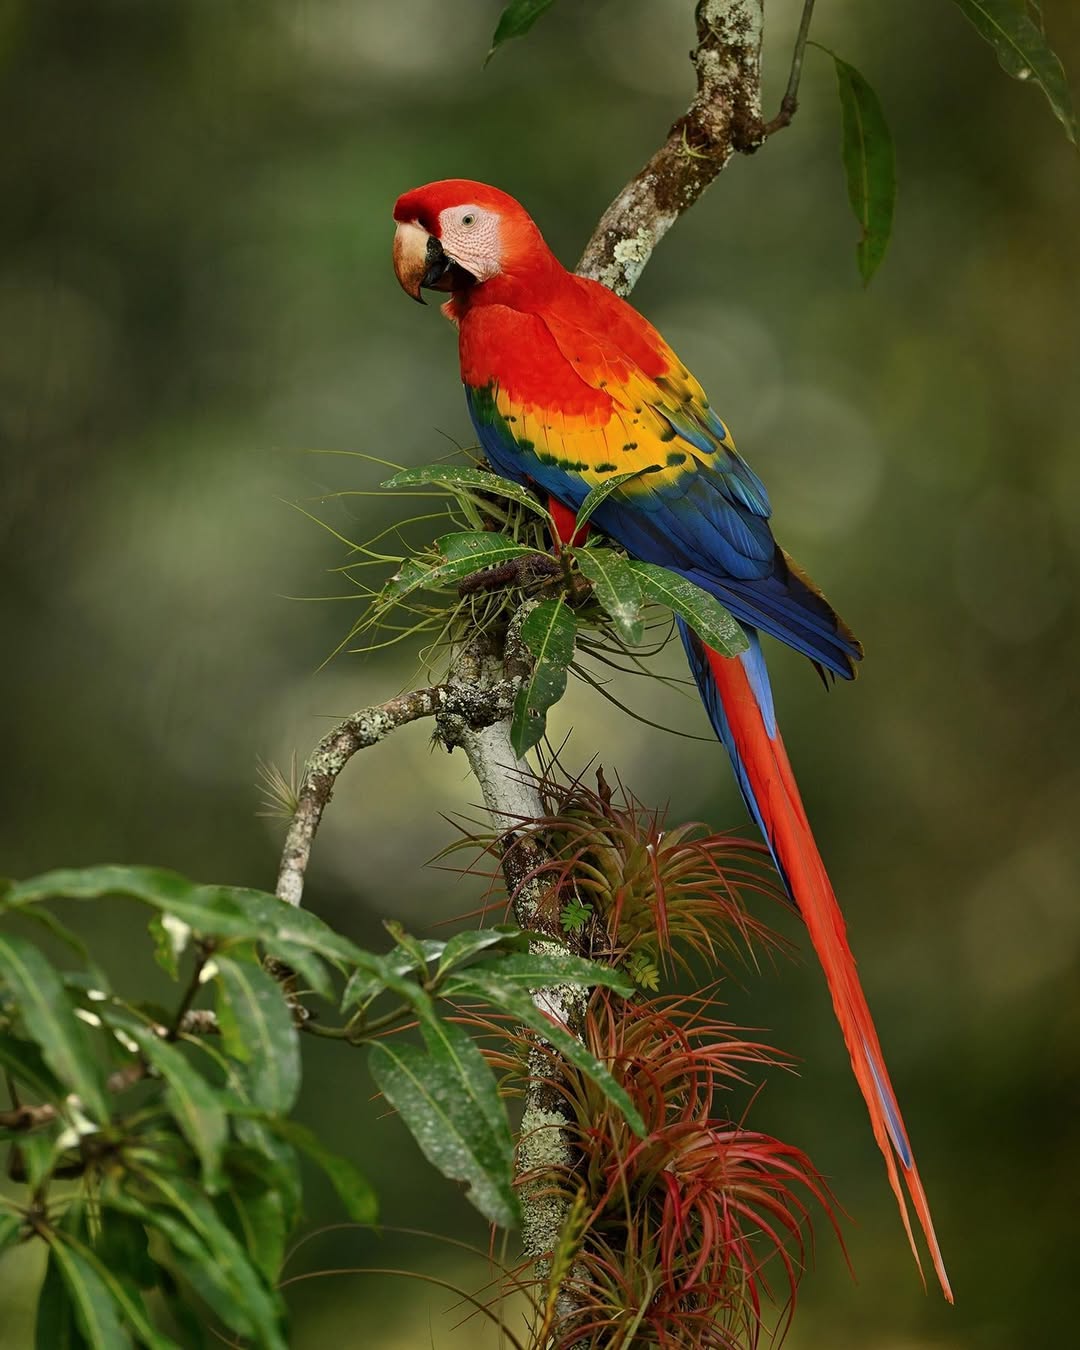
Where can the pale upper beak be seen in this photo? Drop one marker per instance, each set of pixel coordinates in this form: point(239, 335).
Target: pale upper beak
point(419, 260)
point(411, 261)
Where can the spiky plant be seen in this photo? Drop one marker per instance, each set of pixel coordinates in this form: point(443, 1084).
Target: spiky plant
point(688, 1236)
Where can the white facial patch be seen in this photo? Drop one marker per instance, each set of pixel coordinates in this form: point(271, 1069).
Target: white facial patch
point(470, 237)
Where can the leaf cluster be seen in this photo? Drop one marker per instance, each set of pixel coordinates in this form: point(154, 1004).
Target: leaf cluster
point(155, 1144)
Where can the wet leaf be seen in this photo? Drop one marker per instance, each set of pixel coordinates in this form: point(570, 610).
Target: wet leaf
point(516, 20)
point(703, 612)
point(617, 590)
point(869, 165)
point(548, 631)
point(469, 480)
point(1023, 52)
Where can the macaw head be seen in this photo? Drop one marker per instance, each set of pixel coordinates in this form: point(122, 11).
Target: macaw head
point(457, 235)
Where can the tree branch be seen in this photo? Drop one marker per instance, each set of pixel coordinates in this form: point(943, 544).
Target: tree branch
point(477, 706)
point(724, 117)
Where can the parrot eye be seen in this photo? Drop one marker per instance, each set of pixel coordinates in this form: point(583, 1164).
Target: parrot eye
point(468, 218)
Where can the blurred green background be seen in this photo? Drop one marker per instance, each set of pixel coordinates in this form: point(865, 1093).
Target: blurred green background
point(196, 303)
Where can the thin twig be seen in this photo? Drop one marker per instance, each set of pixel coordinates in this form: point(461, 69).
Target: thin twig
point(476, 706)
point(790, 102)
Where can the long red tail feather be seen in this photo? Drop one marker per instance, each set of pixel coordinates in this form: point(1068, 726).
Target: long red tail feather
point(767, 777)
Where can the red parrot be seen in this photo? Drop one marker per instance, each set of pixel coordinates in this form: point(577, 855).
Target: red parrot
point(568, 385)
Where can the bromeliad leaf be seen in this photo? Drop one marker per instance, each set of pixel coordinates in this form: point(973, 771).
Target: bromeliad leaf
point(353, 1188)
point(616, 588)
point(1023, 52)
point(548, 631)
point(50, 1020)
point(192, 1101)
point(458, 556)
point(447, 1097)
point(516, 20)
point(703, 612)
point(469, 480)
point(258, 1029)
point(869, 165)
point(475, 984)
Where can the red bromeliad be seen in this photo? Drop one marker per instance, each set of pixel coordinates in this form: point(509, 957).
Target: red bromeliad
point(568, 386)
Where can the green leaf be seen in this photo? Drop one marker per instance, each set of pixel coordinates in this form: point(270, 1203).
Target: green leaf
point(703, 612)
point(458, 556)
point(1023, 52)
point(869, 165)
point(548, 631)
point(25, 1063)
point(469, 480)
point(258, 1029)
point(476, 984)
point(449, 1101)
point(597, 495)
point(276, 1160)
point(206, 1253)
point(352, 1187)
point(10, 1230)
point(95, 1309)
point(462, 947)
point(193, 1102)
point(256, 1217)
point(210, 911)
point(56, 1327)
point(516, 20)
point(123, 1293)
point(309, 967)
point(537, 970)
point(38, 1153)
point(170, 937)
point(50, 1020)
point(616, 588)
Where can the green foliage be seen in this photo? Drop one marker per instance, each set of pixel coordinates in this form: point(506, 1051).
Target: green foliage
point(466, 482)
point(1023, 52)
point(178, 1127)
point(617, 590)
point(869, 165)
point(516, 20)
point(456, 556)
point(548, 631)
point(575, 916)
point(705, 614)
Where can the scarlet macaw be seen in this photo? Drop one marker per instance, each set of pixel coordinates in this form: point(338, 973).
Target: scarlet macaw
point(568, 385)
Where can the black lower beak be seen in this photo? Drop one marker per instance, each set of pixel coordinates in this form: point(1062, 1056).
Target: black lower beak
point(442, 273)
point(438, 264)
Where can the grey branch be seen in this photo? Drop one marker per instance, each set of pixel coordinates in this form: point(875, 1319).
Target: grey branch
point(723, 118)
point(476, 705)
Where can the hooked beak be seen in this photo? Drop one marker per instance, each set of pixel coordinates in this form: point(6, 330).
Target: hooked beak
point(419, 261)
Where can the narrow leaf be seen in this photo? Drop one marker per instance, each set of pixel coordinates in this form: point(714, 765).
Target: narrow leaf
point(616, 588)
point(457, 556)
point(1023, 52)
point(26, 1065)
point(468, 479)
point(869, 165)
point(516, 20)
point(95, 1310)
point(127, 1299)
point(201, 1219)
point(10, 1230)
point(462, 947)
point(259, 1030)
point(50, 1019)
point(193, 1101)
point(448, 1099)
point(352, 1187)
point(501, 994)
point(549, 632)
point(536, 970)
point(703, 612)
point(599, 494)
point(56, 1326)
